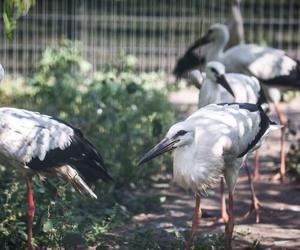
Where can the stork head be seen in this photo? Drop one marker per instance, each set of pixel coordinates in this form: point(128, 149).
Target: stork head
point(215, 71)
point(1, 73)
point(179, 135)
point(217, 33)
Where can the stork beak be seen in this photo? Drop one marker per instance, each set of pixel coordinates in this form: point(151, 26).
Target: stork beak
point(203, 40)
point(222, 80)
point(163, 146)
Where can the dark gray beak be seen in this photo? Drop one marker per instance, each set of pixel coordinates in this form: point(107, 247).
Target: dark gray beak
point(163, 146)
point(201, 41)
point(222, 80)
point(204, 40)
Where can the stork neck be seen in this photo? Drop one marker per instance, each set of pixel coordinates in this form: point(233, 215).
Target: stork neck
point(215, 51)
point(209, 93)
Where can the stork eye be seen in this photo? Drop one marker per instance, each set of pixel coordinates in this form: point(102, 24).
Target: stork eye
point(181, 132)
point(214, 71)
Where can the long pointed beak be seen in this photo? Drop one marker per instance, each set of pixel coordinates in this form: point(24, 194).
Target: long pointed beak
point(201, 41)
point(223, 81)
point(163, 146)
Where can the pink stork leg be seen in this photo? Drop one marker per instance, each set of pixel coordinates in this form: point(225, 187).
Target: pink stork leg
point(283, 121)
point(230, 224)
point(255, 204)
point(256, 174)
point(224, 215)
point(196, 218)
point(30, 211)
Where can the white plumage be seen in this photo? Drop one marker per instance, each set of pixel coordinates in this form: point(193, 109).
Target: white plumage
point(25, 135)
point(214, 140)
point(245, 89)
point(267, 64)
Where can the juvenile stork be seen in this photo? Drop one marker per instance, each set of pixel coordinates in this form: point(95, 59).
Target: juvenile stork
point(39, 144)
point(272, 67)
point(212, 142)
point(219, 87)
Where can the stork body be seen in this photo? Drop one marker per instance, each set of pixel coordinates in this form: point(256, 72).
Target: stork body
point(219, 87)
point(39, 144)
point(212, 142)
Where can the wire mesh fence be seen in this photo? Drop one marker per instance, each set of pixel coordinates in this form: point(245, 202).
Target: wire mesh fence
point(156, 31)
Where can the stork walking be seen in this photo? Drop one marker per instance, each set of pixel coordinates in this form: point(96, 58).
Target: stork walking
point(39, 144)
point(272, 67)
point(212, 142)
point(219, 87)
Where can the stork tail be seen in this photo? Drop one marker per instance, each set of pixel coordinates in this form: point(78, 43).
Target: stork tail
point(77, 182)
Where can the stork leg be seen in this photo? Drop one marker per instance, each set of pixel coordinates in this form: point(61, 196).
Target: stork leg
point(30, 211)
point(196, 218)
point(255, 204)
point(283, 121)
point(224, 215)
point(256, 174)
point(230, 224)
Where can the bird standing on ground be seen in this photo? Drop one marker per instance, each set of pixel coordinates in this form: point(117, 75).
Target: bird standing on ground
point(213, 141)
point(39, 144)
point(219, 87)
point(272, 67)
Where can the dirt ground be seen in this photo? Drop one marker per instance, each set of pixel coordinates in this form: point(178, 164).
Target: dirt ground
point(279, 227)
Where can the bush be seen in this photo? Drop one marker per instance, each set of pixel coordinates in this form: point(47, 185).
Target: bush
point(293, 159)
point(121, 112)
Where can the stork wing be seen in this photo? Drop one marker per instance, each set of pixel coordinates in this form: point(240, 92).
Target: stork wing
point(271, 63)
point(25, 135)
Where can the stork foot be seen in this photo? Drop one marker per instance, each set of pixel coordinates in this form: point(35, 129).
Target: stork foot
point(278, 176)
point(223, 219)
point(255, 206)
point(256, 176)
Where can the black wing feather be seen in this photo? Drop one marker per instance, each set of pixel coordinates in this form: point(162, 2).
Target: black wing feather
point(264, 123)
point(80, 153)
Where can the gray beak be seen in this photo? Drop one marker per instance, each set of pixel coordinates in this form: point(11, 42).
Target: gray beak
point(201, 41)
point(163, 146)
point(222, 80)
point(204, 40)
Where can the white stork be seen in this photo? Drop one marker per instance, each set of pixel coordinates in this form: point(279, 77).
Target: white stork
point(272, 67)
point(219, 87)
point(39, 144)
point(212, 142)
point(191, 59)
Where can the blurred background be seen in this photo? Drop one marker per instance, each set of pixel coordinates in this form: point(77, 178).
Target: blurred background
point(156, 32)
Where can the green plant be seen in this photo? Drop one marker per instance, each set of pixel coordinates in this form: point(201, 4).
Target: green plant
point(12, 10)
point(293, 159)
point(121, 112)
